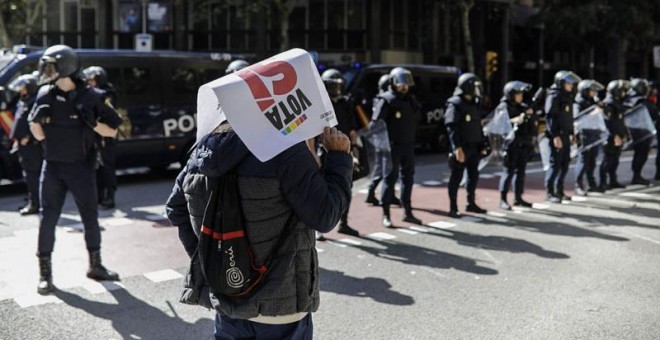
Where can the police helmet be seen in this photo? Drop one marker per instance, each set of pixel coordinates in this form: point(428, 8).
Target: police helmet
point(566, 77)
point(513, 87)
point(586, 85)
point(401, 76)
point(384, 82)
point(334, 82)
point(98, 74)
point(469, 84)
point(639, 87)
point(618, 88)
point(58, 61)
point(236, 66)
point(28, 81)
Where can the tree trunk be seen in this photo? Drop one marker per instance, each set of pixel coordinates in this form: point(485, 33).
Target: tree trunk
point(466, 6)
point(284, 8)
point(5, 41)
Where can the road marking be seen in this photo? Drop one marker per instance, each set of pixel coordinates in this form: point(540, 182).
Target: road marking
point(496, 214)
point(470, 219)
point(155, 217)
point(636, 195)
point(163, 275)
point(441, 224)
point(99, 287)
point(420, 229)
point(640, 236)
point(116, 221)
point(486, 176)
point(35, 300)
point(350, 242)
point(540, 206)
point(579, 199)
point(566, 202)
point(319, 250)
point(382, 236)
point(74, 228)
point(432, 183)
point(407, 231)
point(338, 244)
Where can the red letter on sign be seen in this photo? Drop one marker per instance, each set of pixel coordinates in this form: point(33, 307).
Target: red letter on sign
point(281, 86)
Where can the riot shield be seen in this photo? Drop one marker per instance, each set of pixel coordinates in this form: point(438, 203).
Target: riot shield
point(590, 126)
point(544, 150)
point(639, 124)
point(500, 134)
point(378, 148)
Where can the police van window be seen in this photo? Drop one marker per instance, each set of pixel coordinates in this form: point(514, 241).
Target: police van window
point(136, 80)
point(441, 87)
point(211, 75)
point(114, 78)
point(184, 80)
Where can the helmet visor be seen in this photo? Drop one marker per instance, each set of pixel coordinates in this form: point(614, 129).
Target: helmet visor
point(47, 71)
point(571, 78)
point(403, 78)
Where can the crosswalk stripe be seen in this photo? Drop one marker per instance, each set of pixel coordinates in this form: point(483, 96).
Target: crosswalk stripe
point(441, 224)
point(35, 299)
point(163, 275)
point(407, 231)
point(94, 287)
point(382, 236)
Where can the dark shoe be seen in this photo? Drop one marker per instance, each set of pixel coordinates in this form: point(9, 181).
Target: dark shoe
point(565, 197)
point(521, 203)
point(474, 208)
point(454, 214)
point(412, 219)
point(29, 209)
point(346, 229)
point(371, 199)
point(552, 198)
point(387, 223)
point(319, 236)
point(596, 189)
point(45, 286)
point(107, 204)
point(504, 205)
point(641, 181)
point(97, 271)
point(617, 185)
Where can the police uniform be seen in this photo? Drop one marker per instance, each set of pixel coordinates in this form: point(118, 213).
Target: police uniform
point(613, 110)
point(518, 151)
point(30, 154)
point(105, 174)
point(586, 162)
point(400, 113)
point(559, 119)
point(346, 122)
point(463, 123)
point(642, 149)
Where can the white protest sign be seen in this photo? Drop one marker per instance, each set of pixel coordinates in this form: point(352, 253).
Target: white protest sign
point(272, 105)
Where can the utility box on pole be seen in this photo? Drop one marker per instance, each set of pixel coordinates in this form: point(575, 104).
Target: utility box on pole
point(144, 42)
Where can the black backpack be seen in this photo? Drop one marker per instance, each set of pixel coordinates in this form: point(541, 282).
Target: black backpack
point(225, 254)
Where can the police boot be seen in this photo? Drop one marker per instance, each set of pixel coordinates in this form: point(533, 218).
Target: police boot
point(520, 202)
point(371, 198)
point(453, 210)
point(109, 201)
point(29, 209)
point(504, 205)
point(387, 222)
point(474, 208)
point(97, 271)
point(638, 179)
point(409, 217)
point(45, 286)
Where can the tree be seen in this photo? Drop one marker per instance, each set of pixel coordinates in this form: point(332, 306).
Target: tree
point(17, 20)
point(466, 6)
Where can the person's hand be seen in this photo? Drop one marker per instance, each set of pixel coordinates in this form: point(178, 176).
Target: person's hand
point(460, 155)
point(529, 111)
point(312, 149)
point(557, 142)
point(572, 139)
point(335, 140)
point(617, 140)
point(25, 140)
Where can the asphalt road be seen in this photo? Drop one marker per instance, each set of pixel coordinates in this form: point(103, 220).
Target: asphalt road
point(588, 269)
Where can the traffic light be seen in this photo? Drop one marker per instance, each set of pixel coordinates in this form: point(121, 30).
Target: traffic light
point(491, 64)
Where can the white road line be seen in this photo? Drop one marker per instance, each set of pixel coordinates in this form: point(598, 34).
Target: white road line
point(636, 195)
point(94, 287)
point(337, 244)
point(579, 199)
point(432, 183)
point(115, 221)
point(407, 231)
point(420, 229)
point(540, 206)
point(155, 217)
point(470, 219)
point(163, 275)
point(35, 300)
point(441, 224)
point(486, 176)
point(496, 214)
point(319, 250)
point(640, 236)
point(381, 236)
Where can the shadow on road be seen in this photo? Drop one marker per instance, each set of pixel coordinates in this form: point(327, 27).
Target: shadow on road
point(369, 287)
point(411, 254)
point(133, 318)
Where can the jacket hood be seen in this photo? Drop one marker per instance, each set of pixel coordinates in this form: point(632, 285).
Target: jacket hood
point(217, 153)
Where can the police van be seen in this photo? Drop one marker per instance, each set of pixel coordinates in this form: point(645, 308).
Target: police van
point(434, 84)
point(156, 97)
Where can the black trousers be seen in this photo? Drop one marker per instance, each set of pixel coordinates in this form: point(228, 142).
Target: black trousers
point(640, 156)
point(31, 157)
point(403, 160)
point(381, 158)
point(56, 179)
point(585, 167)
point(610, 164)
point(559, 161)
point(106, 179)
point(472, 157)
point(515, 166)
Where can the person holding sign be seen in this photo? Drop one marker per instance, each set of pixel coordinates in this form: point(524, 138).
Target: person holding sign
point(614, 109)
point(586, 165)
point(399, 109)
point(639, 91)
point(559, 117)
point(463, 123)
point(521, 147)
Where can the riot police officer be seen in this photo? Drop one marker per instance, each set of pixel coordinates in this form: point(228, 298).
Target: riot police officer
point(463, 123)
point(521, 147)
point(614, 109)
point(399, 109)
point(346, 123)
point(559, 130)
point(30, 151)
point(587, 97)
point(106, 180)
point(380, 158)
point(236, 66)
point(66, 117)
point(639, 92)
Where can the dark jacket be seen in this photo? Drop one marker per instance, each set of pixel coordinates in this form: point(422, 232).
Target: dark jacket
point(400, 113)
point(526, 130)
point(346, 119)
point(463, 122)
point(559, 113)
point(285, 194)
point(614, 110)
